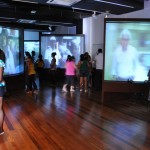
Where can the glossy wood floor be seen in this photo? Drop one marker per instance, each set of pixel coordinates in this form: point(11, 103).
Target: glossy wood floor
point(73, 121)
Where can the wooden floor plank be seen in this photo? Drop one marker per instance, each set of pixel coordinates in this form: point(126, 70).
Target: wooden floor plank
point(73, 121)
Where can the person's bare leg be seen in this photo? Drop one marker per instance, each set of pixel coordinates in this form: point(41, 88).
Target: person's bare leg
point(81, 83)
point(85, 84)
point(1, 115)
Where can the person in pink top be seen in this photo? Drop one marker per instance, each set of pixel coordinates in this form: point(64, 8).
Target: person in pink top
point(70, 74)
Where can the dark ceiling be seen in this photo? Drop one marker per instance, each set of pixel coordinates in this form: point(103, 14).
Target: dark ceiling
point(39, 14)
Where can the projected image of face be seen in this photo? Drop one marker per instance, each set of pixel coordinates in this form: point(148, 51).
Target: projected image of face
point(63, 46)
point(9, 43)
point(127, 54)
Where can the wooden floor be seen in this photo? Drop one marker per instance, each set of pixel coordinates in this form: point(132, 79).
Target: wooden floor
point(73, 121)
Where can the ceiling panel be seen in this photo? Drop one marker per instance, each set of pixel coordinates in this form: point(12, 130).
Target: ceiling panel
point(67, 12)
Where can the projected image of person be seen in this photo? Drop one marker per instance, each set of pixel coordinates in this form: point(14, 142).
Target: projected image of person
point(14, 48)
point(64, 51)
point(33, 48)
point(4, 44)
point(142, 69)
point(75, 48)
point(52, 48)
point(125, 59)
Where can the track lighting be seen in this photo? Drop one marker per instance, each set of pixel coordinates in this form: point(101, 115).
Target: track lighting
point(107, 14)
point(94, 14)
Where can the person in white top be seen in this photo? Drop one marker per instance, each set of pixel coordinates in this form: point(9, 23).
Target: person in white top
point(99, 69)
point(125, 59)
point(52, 48)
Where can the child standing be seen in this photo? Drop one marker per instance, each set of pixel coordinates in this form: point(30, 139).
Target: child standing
point(70, 74)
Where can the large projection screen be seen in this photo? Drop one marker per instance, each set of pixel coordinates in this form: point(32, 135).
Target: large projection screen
point(63, 45)
point(127, 50)
point(30, 46)
point(11, 42)
point(126, 55)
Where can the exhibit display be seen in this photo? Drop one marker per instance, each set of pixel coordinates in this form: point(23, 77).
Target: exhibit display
point(63, 45)
point(127, 50)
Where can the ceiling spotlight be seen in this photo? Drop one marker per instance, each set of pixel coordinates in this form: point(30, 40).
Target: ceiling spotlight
point(33, 11)
point(107, 14)
point(94, 14)
point(50, 28)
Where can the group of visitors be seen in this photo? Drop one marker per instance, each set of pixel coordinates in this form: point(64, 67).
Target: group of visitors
point(31, 67)
point(76, 74)
point(83, 71)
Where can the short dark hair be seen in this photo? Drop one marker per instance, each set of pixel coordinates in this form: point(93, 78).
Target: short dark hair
point(69, 58)
point(53, 54)
point(81, 57)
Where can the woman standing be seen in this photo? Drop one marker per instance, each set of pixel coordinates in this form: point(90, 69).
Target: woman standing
point(53, 69)
point(2, 90)
point(83, 66)
point(31, 75)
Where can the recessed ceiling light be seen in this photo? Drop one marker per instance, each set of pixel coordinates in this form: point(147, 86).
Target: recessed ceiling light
point(33, 11)
point(63, 2)
point(25, 1)
point(7, 18)
point(114, 3)
point(75, 8)
point(26, 21)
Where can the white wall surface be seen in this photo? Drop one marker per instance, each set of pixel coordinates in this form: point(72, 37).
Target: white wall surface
point(94, 28)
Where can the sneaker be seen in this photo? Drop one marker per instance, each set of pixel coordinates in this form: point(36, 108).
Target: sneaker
point(29, 92)
point(80, 90)
point(86, 91)
point(2, 132)
point(35, 91)
point(72, 90)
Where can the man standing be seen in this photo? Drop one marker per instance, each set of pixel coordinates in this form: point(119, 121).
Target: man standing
point(99, 69)
point(125, 59)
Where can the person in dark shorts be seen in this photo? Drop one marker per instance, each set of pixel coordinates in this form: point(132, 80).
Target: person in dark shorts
point(83, 66)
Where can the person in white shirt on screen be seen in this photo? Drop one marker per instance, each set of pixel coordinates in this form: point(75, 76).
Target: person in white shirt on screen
point(125, 59)
point(52, 48)
point(4, 44)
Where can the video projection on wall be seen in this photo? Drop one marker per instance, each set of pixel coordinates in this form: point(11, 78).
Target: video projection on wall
point(30, 46)
point(127, 50)
point(12, 45)
point(63, 45)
